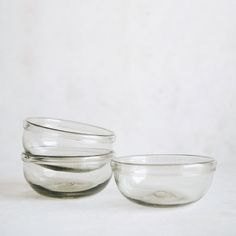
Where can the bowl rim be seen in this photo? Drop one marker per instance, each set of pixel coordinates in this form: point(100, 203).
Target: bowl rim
point(29, 157)
point(208, 160)
point(33, 121)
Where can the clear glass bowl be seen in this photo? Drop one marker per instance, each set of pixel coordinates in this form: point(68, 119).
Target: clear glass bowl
point(41, 133)
point(164, 179)
point(72, 173)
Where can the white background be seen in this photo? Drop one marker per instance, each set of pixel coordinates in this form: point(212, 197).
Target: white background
point(161, 74)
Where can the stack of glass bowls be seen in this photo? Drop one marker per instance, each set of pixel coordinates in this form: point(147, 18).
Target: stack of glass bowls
point(66, 158)
point(71, 159)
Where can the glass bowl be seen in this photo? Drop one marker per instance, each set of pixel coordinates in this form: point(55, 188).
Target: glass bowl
point(76, 173)
point(40, 133)
point(163, 179)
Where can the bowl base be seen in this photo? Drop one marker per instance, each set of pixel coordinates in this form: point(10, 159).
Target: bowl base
point(158, 205)
point(60, 194)
point(162, 199)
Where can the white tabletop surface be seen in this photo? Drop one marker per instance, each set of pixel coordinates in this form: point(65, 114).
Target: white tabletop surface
point(24, 212)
